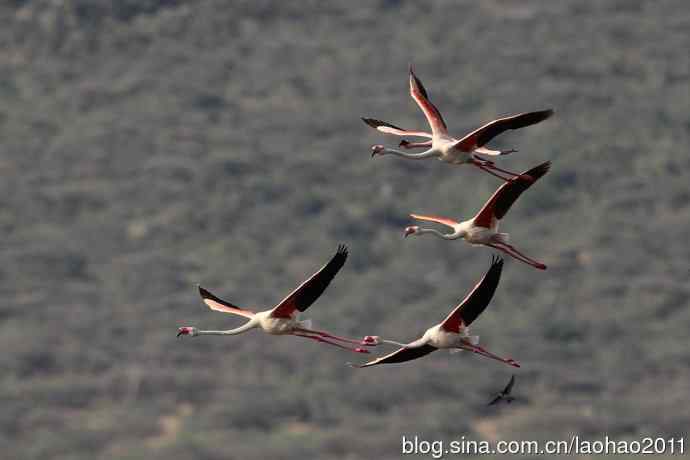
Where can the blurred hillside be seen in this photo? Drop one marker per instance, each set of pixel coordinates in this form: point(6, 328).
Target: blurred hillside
point(148, 145)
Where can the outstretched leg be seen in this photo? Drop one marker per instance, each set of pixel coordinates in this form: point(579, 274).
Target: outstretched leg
point(511, 251)
point(481, 351)
point(484, 167)
point(335, 337)
point(335, 344)
point(491, 165)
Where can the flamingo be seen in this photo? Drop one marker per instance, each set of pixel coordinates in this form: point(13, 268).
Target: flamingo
point(447, 148)
point(452, 333)
point(482, 228)
point(505, 394)
point(282, 319)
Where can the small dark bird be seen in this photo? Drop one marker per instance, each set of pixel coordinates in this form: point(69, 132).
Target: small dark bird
point(505, 394)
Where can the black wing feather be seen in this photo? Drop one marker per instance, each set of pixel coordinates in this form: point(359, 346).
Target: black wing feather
point(482, 295)
point(374, 123)
point(477, 300)
point(313, 288)
point(522, 120)
point(401, 355)
point(511, 190)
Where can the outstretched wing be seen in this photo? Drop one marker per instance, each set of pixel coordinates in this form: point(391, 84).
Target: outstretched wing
point(388, 128)
point(437, 219)
point(306, 294)
point(501, 201)
point(433, 116)
point(481, 136)
point(401, 355)
point(218, 304)
point(509, 387)
point(476, 301)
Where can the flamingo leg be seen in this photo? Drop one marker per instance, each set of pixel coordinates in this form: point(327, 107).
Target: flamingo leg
point(491, 165)
point(486, 169)
point(328, 335)
point(483, 352)
point(511, 251)
point(505, 171)
point(335, 344)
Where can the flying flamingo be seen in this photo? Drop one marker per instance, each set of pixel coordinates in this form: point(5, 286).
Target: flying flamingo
point(447, 148)
point(482, 228)
point(452, 333)
point(282, 319)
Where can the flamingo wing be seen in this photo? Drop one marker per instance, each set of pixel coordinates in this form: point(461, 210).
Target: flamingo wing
point(476, 301)
point(388, 128)
point(437, 219)
point(433, 116)
point(483, 135)
point(218, 304)
point(501, 201)
point(306, 294)
point(401, 355)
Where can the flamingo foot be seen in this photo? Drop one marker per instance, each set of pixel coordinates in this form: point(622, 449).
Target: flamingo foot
point(512, 362)
point(370, 341)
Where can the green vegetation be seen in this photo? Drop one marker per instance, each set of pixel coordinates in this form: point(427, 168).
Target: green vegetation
point(148, 145)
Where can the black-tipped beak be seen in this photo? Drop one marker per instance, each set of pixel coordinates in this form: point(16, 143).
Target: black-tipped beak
point(179, 333)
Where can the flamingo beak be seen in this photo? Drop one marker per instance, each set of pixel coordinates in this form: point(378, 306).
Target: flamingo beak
point(408, 231)
point(182, 331)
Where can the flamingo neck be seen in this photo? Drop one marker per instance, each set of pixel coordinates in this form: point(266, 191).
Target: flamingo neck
point(393, 342)
point(251, 324)
point(411, 156)
point(433, 231)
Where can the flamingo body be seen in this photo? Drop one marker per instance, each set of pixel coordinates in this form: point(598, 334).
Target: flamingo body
point(438, 337)
point(277, 326)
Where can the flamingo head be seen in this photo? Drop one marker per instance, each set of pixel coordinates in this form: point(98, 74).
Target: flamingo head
point(377, 150)
point(411, 230)
point(187, 330)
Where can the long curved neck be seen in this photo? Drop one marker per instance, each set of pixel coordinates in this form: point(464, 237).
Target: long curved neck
point(411, 156)
point(245, 327)
point(393, 342)
point(433, 231)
